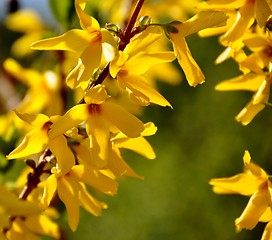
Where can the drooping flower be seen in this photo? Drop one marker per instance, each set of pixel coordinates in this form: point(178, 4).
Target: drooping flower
point(91, 40)
point(43, 94)
point(11, 206)
point(72, 191)
point(177, 31)
point(28, 22)
point(246, 12)
point(37, 140)
point(101, 118)
point(253, 182)
point(136, 59)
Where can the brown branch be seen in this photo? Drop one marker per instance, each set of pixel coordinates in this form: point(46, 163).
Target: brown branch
point(130, 25)
point(33, 179)
point(125, 39)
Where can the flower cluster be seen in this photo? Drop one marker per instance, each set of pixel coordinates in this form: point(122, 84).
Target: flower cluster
point(73, 146)
point(247, 40)
point(256, 183)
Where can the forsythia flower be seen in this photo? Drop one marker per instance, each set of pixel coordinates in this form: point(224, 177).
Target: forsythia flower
point(253, 182)
point(72, 191)
point(43, 92)
point(140, 145)
point(28, 22)
point(90, 41)
point(11, 206)
point(33, 226)
point(134, 61)
point(101, 119)
point(177, 31)
point(258, 83)
point(37, 140)
point(246, 11)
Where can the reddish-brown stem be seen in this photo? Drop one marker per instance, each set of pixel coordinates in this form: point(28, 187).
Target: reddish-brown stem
point(34, 178)
point(124, 41)
point(130, 25)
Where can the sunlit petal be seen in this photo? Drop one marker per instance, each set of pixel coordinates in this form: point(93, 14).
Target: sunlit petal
point(253, 211)
point(95, 179)
point(68, 193)
point(243, 183)
point(63, 153)
point(191, 70)
point(70, 119)
point(123, 120)
point(74, 40)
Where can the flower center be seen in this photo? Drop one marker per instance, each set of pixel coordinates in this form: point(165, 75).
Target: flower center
point(94, 108)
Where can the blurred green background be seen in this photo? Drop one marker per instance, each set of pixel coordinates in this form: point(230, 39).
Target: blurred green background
point(197, 140)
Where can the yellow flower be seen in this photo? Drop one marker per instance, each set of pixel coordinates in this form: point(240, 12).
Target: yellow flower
point(88, 41)
point(139, 145)
point(34, 226)
point(253, 182)
point(73, 193)
point(28, 22)
point(101, 119)
point(134, 61)
point(246, 11)
point(11, 206)
point(43, 92)
point(37, 140)
point(256, 82)
point(267, 233)
point(177, 31)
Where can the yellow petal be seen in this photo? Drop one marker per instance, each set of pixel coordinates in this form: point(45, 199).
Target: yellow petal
point(22, 46)
point(117, 63)
point(247, 114)
point(267, 233)
point(89, 203)
point(90, 64)
point(109, 45)
point(139, 145)
point(68, 193)
point(267, 215)
point(119, 167)
point(123, 120)
point(253, 168)
point(76, 115)
point(262, 95)
point(24, 20)
point(244, 19)
point(42, 225)
point(74, 40)
point(96, 95)
point(94, 178)
point(191, 70)
point(63, 153)
point(253, 211)
point(50, 188)
point(263, 12)
point(142, 41)
point(138, 86)
point(13, 206)
point(34, 142)
point(243, 183)
point(142, 62)
point(99, 133)
point(202, 20)
point(36, 120)
point(249, 82)
point(87, 22)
